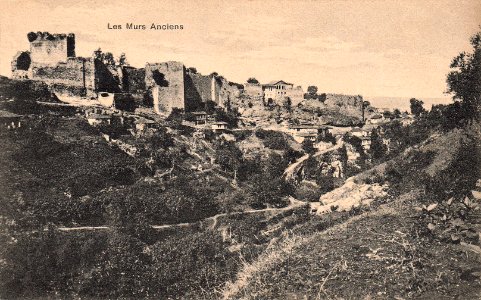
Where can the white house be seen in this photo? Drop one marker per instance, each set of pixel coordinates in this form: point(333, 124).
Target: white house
point(278, 91)
point(96, 119)
point(217, 126)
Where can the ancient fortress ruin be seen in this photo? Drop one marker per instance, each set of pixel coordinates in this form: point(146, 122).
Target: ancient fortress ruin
point(165, 85)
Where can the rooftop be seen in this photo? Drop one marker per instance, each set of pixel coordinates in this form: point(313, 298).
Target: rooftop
point(275, 82)
point(7, 114)
point(144, 121)
point(306, 134)
point(305, 126)
point(199, 113)
point(97, 116)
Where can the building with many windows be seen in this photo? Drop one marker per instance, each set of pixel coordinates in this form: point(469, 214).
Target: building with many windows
point(278, 91)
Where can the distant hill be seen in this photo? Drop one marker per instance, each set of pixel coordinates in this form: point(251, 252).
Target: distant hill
point(403, 102)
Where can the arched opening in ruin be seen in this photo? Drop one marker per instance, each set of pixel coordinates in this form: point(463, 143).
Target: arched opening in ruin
point(23, 61)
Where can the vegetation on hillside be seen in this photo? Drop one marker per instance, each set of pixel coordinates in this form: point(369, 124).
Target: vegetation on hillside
point(225, 225)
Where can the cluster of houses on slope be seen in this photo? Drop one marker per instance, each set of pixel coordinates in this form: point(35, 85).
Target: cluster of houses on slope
point(312, 132)
point(203, 120)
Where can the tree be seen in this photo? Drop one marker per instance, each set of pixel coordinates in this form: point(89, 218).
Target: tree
point(287, 104)
point(308, 146)
point(464, 81)
point(378, 149)
point(228, 157)
point(269, 187)
point(176, 116)
point(322, 97)
point(397, 113)
point(209, 107)
point(252, 80)
point(416, 107)
point(291, 155)
point(98, 54)
point(312, 90)
point(109, 59)
point(122, 60)
point(160, 140)
point(230, 117)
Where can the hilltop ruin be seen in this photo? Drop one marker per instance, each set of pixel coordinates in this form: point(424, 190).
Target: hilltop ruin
point(167, 85)
point(163, 86)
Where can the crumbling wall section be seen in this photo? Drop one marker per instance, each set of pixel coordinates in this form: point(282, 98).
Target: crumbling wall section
point(253, 91)
point(21, 64)
point(133, 82)
point(224, 91)
point(296, 95)
point(108, 77)
point(348, 105)
point(198, 90)
point(75, 77)
point(166, 82)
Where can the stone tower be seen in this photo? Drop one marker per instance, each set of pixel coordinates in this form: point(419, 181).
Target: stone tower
point(50, 49)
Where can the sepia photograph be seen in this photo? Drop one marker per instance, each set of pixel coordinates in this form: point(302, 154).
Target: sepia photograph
point(223, 149)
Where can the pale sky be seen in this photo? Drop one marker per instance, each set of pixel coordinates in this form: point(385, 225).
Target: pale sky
point(371, 48)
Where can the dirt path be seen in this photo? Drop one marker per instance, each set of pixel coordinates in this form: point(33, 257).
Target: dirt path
point(294, 167)
point(294, 203)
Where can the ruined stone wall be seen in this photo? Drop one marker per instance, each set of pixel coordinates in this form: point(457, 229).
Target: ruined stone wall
point(198, 89)
point(74, 77)
point(108, 77)
point(166, 83)
point(21, 65)
point(348, 105)
point(133, 80)
point(253, 91)
point(224, 91)
point(50, 49)
point(296, 95)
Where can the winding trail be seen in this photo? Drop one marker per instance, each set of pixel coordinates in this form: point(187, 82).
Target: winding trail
point(294, 203)
point(293, 168)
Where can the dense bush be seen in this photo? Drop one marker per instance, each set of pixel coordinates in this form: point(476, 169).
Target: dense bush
point(461, 175)
point(308, 146)
point(268, 187)
point(307, 193)
point(191, 266)
point(230, 117)
point(241, 135)
point(273, 139)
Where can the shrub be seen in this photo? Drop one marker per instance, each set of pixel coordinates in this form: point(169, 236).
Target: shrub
point(326, 183)
point(308, 146)
point(305, 193)
point(273, 139)
point(189, 266)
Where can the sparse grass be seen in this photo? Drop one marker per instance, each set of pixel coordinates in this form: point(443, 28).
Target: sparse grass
point(384, 253)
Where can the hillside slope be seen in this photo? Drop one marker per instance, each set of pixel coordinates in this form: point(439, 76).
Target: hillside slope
point(389, 251)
